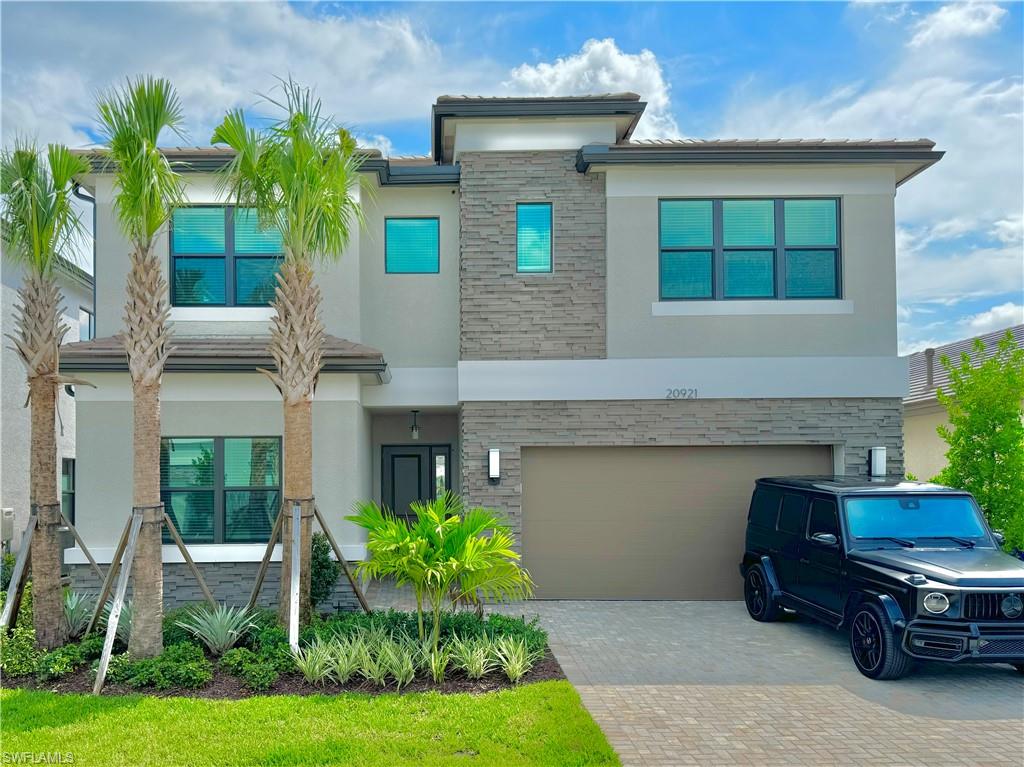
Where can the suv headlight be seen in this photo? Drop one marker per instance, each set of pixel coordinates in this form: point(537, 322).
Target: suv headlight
point(936, 603)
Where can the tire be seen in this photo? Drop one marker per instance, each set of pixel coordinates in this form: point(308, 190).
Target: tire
point(757, 596)
point(873, 645)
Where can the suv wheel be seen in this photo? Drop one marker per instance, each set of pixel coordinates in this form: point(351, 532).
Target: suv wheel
point(873, 644)
point(757, 595)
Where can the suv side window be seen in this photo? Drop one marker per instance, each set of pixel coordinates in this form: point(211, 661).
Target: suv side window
point(764, 507)
point(793, 516)
point(824, 518)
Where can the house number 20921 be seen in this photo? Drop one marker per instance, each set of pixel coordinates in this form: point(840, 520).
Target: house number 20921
point(680, 394)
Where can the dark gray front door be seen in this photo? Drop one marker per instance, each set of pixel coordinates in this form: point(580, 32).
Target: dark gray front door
point(413, 473)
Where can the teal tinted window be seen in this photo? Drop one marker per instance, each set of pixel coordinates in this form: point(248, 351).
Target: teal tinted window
point(533, 237)
point(749, 273)
point(198, 281)
point(811, 274)
point(255, 280)
point(187, 487)
point(686, 274)
point(687, 223)
point(748, 222)
point(198, 230)
point(412, 246)
point(810, 222)
point(252, 462)
point(249, 515)
point(251, 238)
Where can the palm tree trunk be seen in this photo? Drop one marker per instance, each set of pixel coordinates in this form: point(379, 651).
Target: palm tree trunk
point(37, 337)
point(145, 340)
point(296, 345)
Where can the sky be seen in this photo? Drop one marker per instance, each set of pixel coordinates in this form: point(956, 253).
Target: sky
point(951, 72)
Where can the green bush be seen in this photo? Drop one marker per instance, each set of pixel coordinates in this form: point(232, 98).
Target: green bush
point(6, 571)
point(233, 661)
point(173, 633)
point(180, 665)
point(324, 570)
point(18, 653)
point(118, 669)
point(498, 626)
point(270, 637)
point(259, 676)
point(91, 646)
point(280, 657)
point(59, 662)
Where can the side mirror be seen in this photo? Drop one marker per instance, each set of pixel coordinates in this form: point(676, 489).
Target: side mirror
point(824, 539)
point(998, 535)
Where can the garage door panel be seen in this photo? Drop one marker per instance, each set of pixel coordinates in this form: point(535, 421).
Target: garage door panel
point(645, 522)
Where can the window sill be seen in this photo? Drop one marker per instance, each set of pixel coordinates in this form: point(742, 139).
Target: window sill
point(209, 552)
point(221, 313)
point(750, 308)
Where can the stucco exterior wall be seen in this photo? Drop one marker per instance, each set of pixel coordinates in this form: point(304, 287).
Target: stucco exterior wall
point(924, 449)
point(412, 318)
point(852, 426)
point(867, 255)
point(507, 315)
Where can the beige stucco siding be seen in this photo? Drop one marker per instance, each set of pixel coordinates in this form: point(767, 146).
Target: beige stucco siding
point(868, 273)
point(924, 451)
point(412, 318)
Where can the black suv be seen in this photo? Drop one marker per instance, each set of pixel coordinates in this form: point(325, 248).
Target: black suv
point(910, 570)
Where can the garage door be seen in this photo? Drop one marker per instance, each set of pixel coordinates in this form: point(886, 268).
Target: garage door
point(646, 522)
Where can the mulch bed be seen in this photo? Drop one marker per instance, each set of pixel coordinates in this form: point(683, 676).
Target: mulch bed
point(228, 687)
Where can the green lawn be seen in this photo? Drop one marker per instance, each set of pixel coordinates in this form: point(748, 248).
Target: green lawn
point(536, 724)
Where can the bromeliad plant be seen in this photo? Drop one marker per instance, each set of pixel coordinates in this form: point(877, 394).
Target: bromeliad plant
point(447, 552)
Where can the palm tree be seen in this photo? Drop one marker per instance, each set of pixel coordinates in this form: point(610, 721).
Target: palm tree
point(146, 189)
point(40, 228)
point(299, 174)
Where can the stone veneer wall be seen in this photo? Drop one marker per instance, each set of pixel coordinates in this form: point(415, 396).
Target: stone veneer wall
point(230, 582)
point(507, 315)
point(857, 424)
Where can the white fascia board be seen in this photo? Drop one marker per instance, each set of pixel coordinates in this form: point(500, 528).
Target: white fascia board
point(695, 377)
point(415, 387)
point(213, 387)
point(209, 552)
point(734, 308)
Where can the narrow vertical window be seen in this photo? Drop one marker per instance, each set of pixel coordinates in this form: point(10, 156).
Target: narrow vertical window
point(67, 488)
point(687, 241)
point(812, 248)
point(533, 237)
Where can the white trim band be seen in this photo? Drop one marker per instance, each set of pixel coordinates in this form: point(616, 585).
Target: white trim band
point(744, 308)
point(209, 552)
point(415, 387)
point(221, 313)
point(686, 378)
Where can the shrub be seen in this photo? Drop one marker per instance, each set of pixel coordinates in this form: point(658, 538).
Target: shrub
point(18, 653)
point(220, 628)
point(399, 657)
point(173, 633)
point(91, 646)
point(474, 656)
point(346, 654)
point(280, 657)
point(233, 661)
point(78, 609)
point(514, 657)
point(59, 662)
point(315, 662)
point(271, 636)
point(372, 665)
point(6, 571)
point(180, 665)
point(118, 668)
point(259, 676)
point(498, 625)
point(324, 570)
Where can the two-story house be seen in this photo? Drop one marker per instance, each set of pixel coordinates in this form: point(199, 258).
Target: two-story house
point(606, 340)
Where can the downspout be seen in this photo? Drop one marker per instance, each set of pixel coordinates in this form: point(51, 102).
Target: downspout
point(77, 191)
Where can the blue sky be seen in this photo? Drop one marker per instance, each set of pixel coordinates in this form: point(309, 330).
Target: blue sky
point(951, 72)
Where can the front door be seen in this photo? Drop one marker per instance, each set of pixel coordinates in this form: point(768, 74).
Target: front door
point(412, 473)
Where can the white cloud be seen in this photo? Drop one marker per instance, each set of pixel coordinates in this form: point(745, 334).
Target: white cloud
point(375, 141)
point(601, 66)
point(996, 318)
point(957, 20)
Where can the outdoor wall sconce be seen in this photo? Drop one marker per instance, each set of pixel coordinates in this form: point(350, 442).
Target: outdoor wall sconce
point(414, 429)
point(876, 461)
point(494, 465)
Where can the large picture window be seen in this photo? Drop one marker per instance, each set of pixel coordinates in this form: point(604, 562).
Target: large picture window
point(221, 256)
point(221, 489)
point(749, 249)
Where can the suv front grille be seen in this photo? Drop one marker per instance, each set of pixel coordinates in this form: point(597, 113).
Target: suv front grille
point(986, 606)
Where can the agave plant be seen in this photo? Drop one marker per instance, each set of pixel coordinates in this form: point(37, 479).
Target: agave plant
point(219, 628)
point(77, 611)
point(124, 621)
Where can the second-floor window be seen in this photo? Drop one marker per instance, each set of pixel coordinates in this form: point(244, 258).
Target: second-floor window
point(86, 324)
point(533, 237)
point(220, 256)
point(412, 245)
point(749, 249)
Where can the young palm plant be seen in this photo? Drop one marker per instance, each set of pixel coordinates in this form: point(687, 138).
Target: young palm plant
point(146, 190)
point(301, 176)
point(40, 227)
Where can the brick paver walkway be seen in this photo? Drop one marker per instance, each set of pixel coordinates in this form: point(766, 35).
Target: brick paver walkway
point(699, 683)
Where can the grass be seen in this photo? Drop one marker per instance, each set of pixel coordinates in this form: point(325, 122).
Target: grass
point(537, 724)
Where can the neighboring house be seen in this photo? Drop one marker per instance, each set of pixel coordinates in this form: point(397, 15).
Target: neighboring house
point(606, 340)
point(15, 426)
point(923, 449)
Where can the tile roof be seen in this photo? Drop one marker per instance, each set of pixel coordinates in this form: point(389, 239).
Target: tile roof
point(918, 363)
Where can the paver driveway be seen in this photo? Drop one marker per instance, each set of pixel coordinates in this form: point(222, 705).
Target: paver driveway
point(680, 683)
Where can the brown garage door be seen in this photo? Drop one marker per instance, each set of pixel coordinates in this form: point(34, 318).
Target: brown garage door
point(646, 522)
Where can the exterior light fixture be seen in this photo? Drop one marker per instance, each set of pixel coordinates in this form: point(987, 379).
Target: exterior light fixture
point(876, 461)
point(494, 465)
point(414, 429)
